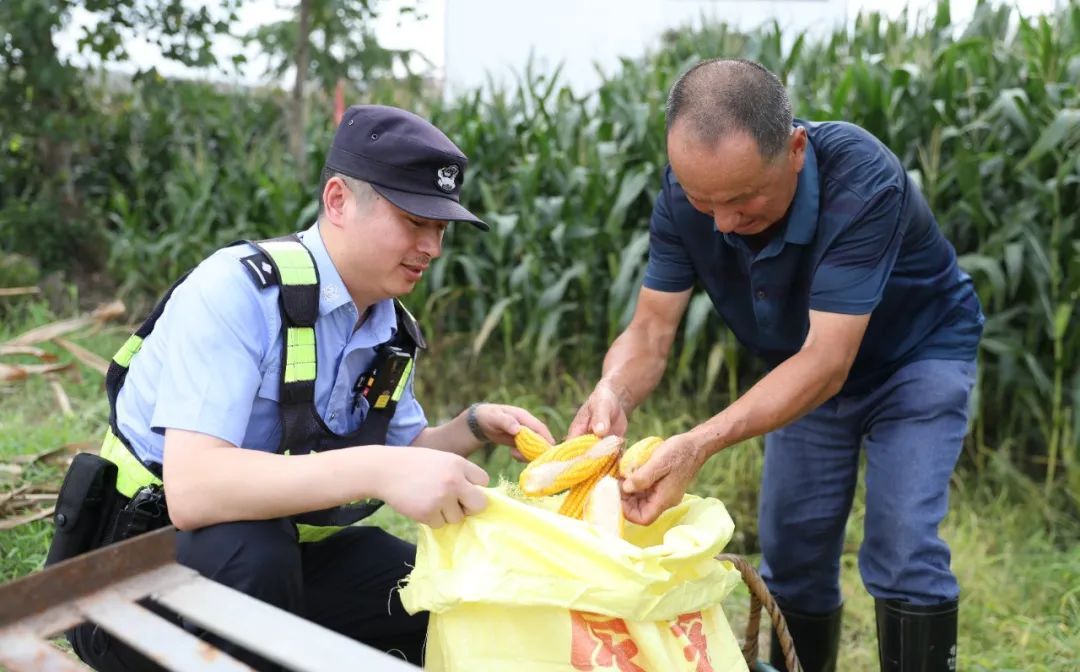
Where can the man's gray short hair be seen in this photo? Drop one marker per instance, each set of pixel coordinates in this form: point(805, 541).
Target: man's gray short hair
point(363, 192)
point(719, 97)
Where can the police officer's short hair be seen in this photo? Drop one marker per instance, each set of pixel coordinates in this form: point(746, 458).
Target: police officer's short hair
point(363, 192)
point(720, 96)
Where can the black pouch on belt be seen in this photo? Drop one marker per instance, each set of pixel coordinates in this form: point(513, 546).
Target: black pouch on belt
point(85, 507)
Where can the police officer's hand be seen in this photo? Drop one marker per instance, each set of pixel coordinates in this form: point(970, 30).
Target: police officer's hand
point(434, 487)
point(602, 413)
point(660, 483)
point(500, 423)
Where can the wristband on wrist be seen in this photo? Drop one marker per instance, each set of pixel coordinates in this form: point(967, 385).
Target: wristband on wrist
point(474, 424)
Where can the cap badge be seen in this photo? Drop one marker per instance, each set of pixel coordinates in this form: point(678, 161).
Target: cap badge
point(445, 178)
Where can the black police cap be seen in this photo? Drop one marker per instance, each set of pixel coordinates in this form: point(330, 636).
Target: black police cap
point(405, 158)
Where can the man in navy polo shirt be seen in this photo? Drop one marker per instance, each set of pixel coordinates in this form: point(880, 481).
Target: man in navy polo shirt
point(824, 260)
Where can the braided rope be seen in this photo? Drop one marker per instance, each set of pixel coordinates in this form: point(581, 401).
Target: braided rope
point(759, 597)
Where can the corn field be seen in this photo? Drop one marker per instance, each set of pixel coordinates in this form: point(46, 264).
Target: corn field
point(987, 120)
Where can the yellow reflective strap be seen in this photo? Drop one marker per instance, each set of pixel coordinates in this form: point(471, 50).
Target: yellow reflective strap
point(127, 350)
point(130, 473)
point(404, 379)
point(295, 266)
point(300, 354)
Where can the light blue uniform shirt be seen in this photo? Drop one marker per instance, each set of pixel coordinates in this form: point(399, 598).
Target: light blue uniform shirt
point(213, 361)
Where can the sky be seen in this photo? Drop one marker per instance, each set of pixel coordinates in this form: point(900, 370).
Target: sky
point(425, 35)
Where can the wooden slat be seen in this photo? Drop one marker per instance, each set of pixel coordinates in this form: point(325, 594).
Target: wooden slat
point(22, 651)
point(273, 633)
point(163, 642)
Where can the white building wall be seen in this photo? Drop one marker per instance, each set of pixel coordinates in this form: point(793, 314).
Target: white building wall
point(496, 37)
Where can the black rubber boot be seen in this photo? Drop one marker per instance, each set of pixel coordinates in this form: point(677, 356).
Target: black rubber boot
point(916, 639)
point(816, 637)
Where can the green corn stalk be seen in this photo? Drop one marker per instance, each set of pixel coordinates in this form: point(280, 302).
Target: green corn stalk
point(984, 118)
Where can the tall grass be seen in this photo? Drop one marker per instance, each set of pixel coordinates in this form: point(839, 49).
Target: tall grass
point(1020, 606)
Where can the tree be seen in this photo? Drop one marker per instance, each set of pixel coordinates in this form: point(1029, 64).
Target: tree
point(43, 98)
point(329, 41)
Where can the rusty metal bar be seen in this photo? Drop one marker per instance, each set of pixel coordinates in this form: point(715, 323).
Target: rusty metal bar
point(85, 574)
point(159, 640)
point(64, 616)
point(277, 635)
point(23, 651)
point(103, 587)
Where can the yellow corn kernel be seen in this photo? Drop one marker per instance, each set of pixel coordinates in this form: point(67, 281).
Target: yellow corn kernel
point(530, 444)
point(568, 464)
point(568, 450)
point(574, 504)
point(604, 506)
point(638, 454)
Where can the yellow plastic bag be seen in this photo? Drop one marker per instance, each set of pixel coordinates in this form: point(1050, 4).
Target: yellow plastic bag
point(520, 587)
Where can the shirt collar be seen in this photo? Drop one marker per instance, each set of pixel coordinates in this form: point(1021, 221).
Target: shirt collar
point(800, 223)
point(803, 217)
point(381, 322)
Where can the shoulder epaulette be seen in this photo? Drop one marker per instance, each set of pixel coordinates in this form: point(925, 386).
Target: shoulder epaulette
point(260, 269)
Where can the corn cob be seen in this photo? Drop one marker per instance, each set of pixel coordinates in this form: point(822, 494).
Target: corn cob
point(638, 454)
point(530, 444)
point(604, 506)
point(574, 504)
point(568, 464)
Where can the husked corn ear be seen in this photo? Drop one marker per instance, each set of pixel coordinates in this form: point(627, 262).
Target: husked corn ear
point(604, 506)
point(574, 504)
point(638, 454)
point(568, 464)
point(530, 444)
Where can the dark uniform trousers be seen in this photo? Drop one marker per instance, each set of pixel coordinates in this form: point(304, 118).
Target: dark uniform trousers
point(347, 583)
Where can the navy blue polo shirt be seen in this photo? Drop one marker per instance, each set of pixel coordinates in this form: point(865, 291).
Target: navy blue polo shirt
point(858, 238)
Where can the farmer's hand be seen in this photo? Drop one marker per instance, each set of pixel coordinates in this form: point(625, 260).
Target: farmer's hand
point(661, 482)
point(434, 487)
point(602, 413)
point(500, 423)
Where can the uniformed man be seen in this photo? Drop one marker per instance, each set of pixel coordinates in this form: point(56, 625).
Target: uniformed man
point(822, 257)
point(298, 345)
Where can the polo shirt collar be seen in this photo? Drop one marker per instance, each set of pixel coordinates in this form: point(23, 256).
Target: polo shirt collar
point(803, 217)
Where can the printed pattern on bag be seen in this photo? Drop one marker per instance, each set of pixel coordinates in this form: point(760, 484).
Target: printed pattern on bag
point(690, 630)
point(601, 643)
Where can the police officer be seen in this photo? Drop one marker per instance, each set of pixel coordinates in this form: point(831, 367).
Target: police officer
point(822, 257)
point(298, 345)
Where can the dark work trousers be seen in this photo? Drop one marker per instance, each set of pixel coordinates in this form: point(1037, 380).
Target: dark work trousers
point(346, 583)
point(912, 430)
